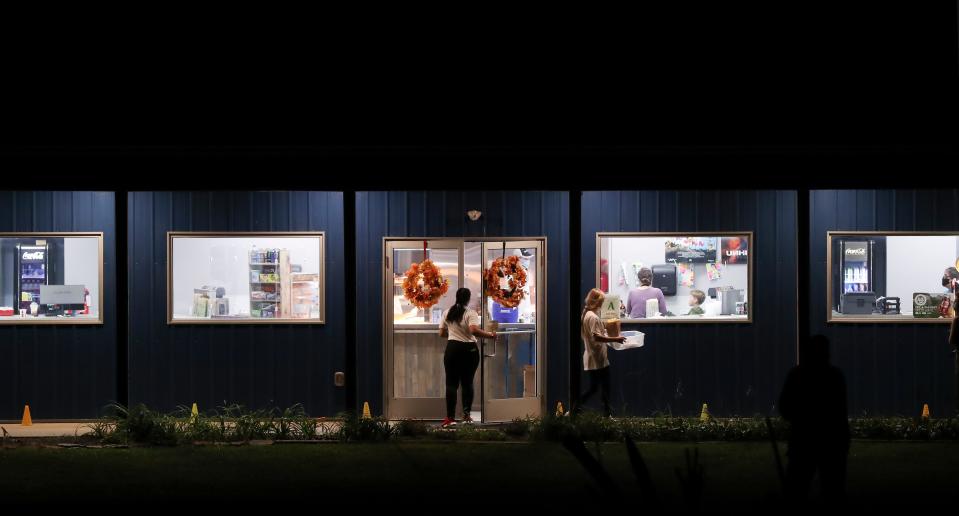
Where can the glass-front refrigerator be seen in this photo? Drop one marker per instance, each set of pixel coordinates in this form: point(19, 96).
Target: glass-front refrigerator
point(859, 265)
point(32, 270)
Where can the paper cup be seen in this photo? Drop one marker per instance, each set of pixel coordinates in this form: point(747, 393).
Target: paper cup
point(612, 327)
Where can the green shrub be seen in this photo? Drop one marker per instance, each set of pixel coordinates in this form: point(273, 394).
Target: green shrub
point(283, 424)
point(551, 428)
point(518, 428)
point(356, 428)
point(594, 427)
point(471, 433)
point(140, 425)
point(104, 430)
point(900, 428)
point(411, 428)
point(305, 427)
point(247, 425)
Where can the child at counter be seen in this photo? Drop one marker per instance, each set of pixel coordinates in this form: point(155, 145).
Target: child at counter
point(696, 299)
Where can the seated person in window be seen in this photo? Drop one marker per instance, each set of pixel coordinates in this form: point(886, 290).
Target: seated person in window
point(696, 299)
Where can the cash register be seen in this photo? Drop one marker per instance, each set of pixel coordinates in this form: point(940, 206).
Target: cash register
point(857, 303)
point(60, 298)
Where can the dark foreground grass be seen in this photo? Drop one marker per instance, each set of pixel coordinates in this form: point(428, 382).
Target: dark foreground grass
point(738, 475)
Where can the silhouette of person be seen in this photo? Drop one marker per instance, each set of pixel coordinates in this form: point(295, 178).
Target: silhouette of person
point(813, 401)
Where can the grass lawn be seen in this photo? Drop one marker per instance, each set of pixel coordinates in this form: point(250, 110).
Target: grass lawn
point(421, 472)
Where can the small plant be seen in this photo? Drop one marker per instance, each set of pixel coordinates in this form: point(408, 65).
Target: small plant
point(593, 427)
point(143, 426)
point(283, 427)
point(356, 428)
point(518, 428)
point(104, 430)
point(552, 428)
point(248, 425)
point(197, 428)
point(469, 433)
point(305, 427)
point(411, 428)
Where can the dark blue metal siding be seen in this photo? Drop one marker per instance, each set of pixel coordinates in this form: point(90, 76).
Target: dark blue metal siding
point(890, 368)
point(62, 372)
point(443, 214)
point(736, 368)
point(258, 366)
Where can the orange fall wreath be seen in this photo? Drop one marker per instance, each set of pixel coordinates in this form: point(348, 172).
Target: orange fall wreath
point(510, 269)
point(424, 285)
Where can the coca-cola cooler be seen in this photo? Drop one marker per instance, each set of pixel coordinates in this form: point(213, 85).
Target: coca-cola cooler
point(858, 269)
point(32, 270)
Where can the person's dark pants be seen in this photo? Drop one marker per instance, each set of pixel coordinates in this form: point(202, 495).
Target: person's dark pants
point(460, 362)
point(802, 467)
point(598, 380)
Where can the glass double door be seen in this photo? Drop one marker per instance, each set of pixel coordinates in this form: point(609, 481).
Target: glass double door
point(509, 380)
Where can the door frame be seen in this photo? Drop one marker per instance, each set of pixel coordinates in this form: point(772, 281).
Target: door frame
point(386, 291)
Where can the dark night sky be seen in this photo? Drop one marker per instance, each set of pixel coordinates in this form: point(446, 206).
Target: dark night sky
point(870, 75)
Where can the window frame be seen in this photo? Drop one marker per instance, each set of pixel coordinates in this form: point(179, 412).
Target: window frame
point(659, 234)
point(321, 235)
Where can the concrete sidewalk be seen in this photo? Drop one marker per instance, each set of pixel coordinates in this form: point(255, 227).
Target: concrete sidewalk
point(46, 430)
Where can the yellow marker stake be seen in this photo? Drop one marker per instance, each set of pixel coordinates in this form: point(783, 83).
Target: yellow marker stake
point(366, 410)
point(705, 415)
point(194, 413)
point(27, 420)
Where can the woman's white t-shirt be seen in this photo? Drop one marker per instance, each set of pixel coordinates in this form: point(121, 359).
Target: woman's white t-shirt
point(461, 331)
point(594, 352)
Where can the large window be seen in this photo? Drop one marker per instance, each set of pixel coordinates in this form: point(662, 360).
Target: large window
point(677, 277)
point(891, 276)
point(245, 278)
point(51, 278)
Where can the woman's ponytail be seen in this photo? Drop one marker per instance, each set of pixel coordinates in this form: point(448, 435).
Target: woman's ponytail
point(456, 312)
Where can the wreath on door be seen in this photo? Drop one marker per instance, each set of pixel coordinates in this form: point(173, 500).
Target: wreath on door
point(508, 270)
point(424, 285)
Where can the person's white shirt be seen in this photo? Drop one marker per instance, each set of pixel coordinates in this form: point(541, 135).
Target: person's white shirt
point(461, 331)
point(712, 308)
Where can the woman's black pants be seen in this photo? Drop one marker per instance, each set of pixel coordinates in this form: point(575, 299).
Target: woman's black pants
point(598, 379)
point(460, 361)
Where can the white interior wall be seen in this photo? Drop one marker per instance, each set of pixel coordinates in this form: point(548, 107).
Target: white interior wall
point(915, 264)
point(652, 251)
point(224, 262)
point(81, 266)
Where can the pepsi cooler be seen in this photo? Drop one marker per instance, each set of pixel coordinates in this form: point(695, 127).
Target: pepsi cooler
point(502, 314)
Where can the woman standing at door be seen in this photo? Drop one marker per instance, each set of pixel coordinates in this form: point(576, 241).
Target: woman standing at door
point(461, 325)
point(595, 360)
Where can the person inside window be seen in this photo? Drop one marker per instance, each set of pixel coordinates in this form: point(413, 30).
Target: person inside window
point(696, 300)
point(950, 280)
point(636, 301)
